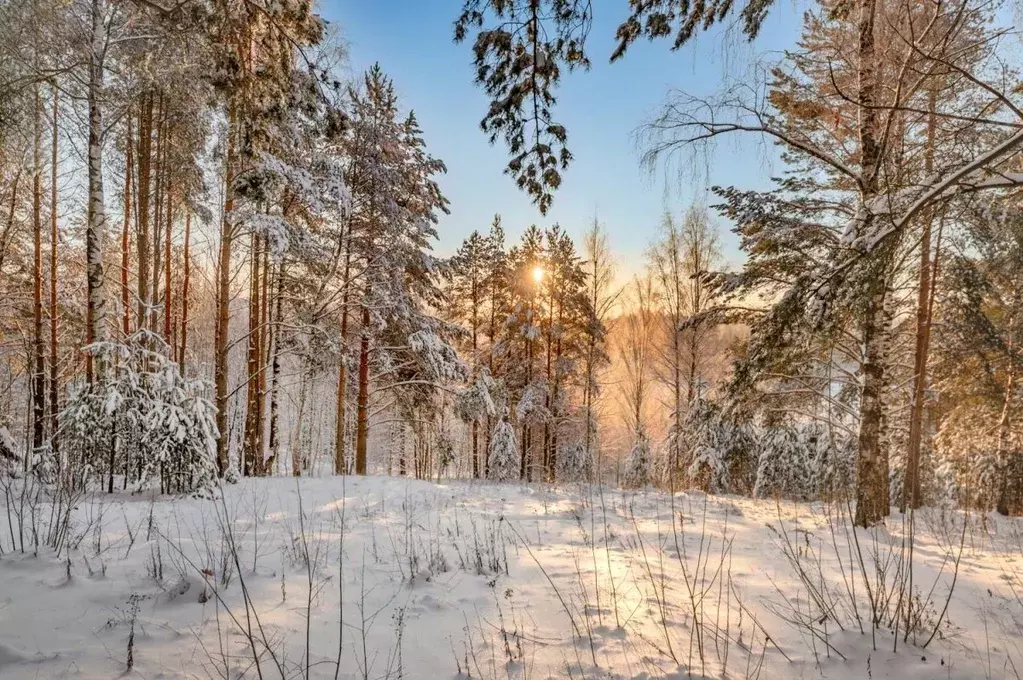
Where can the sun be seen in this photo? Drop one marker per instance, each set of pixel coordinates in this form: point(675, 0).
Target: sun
point(538, 273)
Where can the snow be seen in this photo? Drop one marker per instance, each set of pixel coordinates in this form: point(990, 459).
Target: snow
point(463, 579)
point(8, 447)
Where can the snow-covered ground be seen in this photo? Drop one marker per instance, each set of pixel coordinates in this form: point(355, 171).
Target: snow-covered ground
point(400, 578)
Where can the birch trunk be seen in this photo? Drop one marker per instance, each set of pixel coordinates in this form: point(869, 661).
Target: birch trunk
point(275, 365)
point(95, 313)
point(54, 316)
point(297, 438)
point(871, 482)
point(224, 297)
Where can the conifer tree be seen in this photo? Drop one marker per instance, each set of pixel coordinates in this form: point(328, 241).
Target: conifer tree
point(395, 207)
point(822, 242)
point(469, 271)
point(503, 465)
point(562, 330)
point(979, 362)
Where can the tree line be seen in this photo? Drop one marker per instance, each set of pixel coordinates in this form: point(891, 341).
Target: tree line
point(216, 259)
point(874, 287)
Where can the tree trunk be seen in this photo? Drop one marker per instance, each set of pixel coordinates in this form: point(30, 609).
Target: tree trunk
point(911, 485)
point(38, 348)
point(297, 439)
point(588, 390)
point(1010, 491)
point(184, 291)
point(275, 365)
point(340, 464)
point(593, 244)
point(492, 336)
point(554, 399)
point(871, 482)
point(362, 406)
point(524, 471)
point(125, 235)
point(548, 472)
point(475, 368)
point(872, 468)
point(54, 317)
point(676, 450)
point(342, 388)
point(1010, 486)
point(401, 452)
point(159, 195)
point(145, 162)
point(264, 357)
point(555, 391)
point(224, 296)
point(167, 290)
point(252, 453)
point(95, 312)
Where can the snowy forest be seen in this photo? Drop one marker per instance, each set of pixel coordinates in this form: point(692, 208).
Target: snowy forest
point(259, 417)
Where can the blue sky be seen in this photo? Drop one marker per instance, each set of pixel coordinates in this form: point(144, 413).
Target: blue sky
point(601, 109)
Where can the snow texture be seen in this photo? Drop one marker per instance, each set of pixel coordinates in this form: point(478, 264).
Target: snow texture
point(484, 580)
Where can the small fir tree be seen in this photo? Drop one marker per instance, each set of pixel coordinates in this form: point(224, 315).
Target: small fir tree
point(638, 464)
point(574, 464)
point(503, 465)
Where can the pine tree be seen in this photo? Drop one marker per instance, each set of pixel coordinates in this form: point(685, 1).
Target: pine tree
point(563, 329)
point(522, 331)
point(469, 271)
point(254, 86)
point(395, 205)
